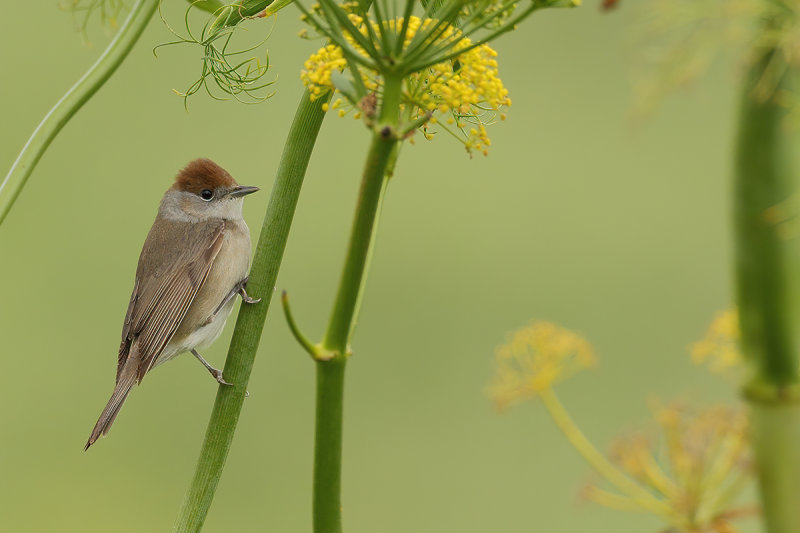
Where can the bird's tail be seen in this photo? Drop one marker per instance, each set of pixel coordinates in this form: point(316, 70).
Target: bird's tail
point(121, 390)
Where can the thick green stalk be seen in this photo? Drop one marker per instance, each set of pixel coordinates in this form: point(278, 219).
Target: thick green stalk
point(768, 287)
point(250, 322)
point(327, 507)
point(326, 491)
point(69, 104)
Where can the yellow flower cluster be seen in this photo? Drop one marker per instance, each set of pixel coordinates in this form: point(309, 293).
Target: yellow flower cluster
point(720, 347)
point(534, 359)
point(468, 89)
point(696, 463)
point(316, 74)
point(460, 95)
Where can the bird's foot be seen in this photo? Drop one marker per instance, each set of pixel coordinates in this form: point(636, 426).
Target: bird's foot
point(243, 293)
point(246, 299)
point(216, 372)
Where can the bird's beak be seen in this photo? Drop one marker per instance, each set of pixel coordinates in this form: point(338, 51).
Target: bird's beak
point(242, 190)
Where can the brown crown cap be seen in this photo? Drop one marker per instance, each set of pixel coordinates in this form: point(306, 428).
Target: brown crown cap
point(203, 174)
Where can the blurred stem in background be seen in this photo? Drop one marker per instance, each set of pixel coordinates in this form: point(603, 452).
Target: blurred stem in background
point(636, 496)
point(250, 322)
point(768, 285)
point(679, 39)
point(69, 104)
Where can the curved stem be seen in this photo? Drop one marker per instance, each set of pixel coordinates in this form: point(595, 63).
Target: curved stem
point(314, 351)
point(250, 322)
point(69, 104)
point(598, 461)
point(210, 6)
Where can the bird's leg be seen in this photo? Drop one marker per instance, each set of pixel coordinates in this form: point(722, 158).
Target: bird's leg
point(237, 289)
point(217, 373)
point(224, 302)
point(243, 293)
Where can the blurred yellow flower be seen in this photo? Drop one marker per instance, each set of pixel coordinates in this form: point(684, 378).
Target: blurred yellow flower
point(719, 349)
point(535, 358)
point(467, 90)
point(689, 470)
point(697, 462)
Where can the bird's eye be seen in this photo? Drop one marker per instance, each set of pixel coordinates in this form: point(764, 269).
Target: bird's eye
point(207, 194)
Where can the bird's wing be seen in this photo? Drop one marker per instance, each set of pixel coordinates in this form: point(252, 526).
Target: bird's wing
point(177, 257)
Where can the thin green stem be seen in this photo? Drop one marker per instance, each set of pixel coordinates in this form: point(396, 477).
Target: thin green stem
point(768, 287)
point(312, 349)
point(250, 322)
point(327, 506)
point(371, 251)
point(69, 104)
point(598, 461)
point(343, 314)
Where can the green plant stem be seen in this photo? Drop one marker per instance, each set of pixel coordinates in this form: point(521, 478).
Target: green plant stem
point(210, 6)
point(69, 104)
point(767, 262)
point(326, 496)
point(327, 506)
point(768, 287)
point(250, 322)
point(776, 441)
point(350, 284)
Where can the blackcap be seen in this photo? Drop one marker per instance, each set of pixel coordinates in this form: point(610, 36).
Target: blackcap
point(193, 264)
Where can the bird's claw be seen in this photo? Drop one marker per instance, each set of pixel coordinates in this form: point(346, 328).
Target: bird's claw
point(220, 378)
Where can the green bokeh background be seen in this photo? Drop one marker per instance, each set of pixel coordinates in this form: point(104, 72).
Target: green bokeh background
point(615, 229)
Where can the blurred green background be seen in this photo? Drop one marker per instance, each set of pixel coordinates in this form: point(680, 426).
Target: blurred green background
point(616, 229)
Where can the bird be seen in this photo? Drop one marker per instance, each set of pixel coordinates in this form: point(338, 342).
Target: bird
point(194, 262)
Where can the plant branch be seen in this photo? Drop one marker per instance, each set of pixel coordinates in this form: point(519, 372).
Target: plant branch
point(250, 322)
point(312, 349)
point(69, 104)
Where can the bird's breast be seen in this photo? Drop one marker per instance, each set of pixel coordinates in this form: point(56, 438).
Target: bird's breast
point(201, 326)
point(230, 266)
